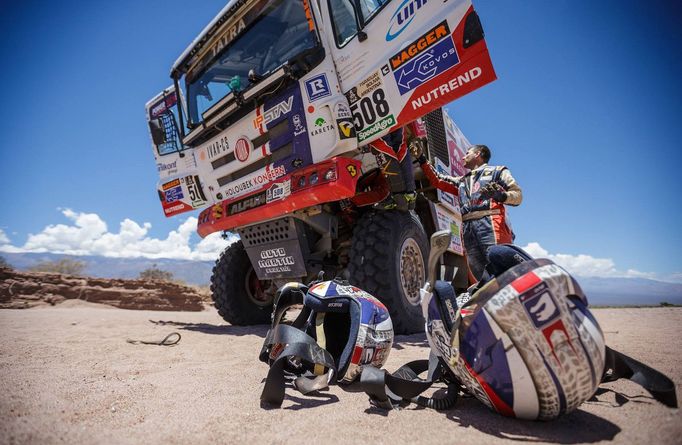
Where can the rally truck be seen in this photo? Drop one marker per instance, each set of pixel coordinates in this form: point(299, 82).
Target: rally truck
point(275, 127)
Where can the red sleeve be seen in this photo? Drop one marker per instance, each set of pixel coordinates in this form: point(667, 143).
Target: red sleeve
point(441, 182)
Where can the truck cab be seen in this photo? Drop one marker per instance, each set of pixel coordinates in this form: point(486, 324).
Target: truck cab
point(273, 128)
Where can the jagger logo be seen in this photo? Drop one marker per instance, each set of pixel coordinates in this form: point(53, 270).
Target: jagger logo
point(420, 45)
point(170, 185)
point(273, 113)
point(247, 203)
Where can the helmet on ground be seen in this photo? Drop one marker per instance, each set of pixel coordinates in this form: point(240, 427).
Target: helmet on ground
point(525, 344)
point(339, 329)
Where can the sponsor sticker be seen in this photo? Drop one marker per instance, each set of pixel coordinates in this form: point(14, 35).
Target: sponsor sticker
point(217, 147)
point(346, 128)
point(171, 184)
point(278, 191)
point(317, 87)
point(342, 111)
point(446, 88)
point(254, 182)
point(370, 131)
point(169, 168)
point(217, 211)
point(402, 17)
point(420, 45)
point(174, 194)
point(539, 304)
point(368, 85)
point(280, 109)
point(299, 127)
point(245, 204)
point(415, 70)
point(321, 126)
point(242, 149)
point(276, 260)
point(196, 194)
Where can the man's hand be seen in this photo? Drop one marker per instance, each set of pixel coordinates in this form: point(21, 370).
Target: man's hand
point(495, 191)
point(417, 150)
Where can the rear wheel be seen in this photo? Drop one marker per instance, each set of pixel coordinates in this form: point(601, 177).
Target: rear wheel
point(240, 297)
point(388, 260)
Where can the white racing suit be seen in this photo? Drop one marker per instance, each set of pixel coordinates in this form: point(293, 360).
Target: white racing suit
point(485, 221)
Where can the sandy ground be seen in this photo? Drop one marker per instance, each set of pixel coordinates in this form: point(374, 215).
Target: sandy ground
point(67, 375)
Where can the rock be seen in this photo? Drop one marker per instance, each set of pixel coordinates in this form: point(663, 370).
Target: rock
point(28, 289)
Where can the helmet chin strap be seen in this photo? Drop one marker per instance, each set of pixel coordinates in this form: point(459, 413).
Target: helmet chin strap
point(321, 340)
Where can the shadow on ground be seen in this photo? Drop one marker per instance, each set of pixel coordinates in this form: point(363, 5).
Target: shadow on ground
point(207, 328)
point(576, 427)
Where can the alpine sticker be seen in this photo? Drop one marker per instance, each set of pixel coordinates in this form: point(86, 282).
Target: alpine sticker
point(317, 87)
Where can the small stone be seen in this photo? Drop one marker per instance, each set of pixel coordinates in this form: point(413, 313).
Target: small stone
point(113, 409)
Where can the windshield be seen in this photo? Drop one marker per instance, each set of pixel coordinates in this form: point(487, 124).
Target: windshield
point(279, 32)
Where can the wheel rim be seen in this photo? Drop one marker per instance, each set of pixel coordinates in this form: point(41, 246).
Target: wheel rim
point(257, 290)
point(411, 270)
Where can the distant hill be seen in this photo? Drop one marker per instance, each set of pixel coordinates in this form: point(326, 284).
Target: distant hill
point(191, 272)
point(599, 291)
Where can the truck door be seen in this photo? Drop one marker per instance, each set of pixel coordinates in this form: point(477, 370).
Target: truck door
point(180, 189)
point(397, 60)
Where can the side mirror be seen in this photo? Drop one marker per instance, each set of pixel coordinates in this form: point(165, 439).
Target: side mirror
point(157, 132)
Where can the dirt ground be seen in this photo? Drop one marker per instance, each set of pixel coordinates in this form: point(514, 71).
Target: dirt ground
point(67, 375)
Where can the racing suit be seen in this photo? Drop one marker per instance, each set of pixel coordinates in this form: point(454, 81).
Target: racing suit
point(484, 219)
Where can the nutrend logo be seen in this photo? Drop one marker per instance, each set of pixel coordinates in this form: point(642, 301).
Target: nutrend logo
point(402, 18)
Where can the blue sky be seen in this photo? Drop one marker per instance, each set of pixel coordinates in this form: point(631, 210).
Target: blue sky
point(586, 113)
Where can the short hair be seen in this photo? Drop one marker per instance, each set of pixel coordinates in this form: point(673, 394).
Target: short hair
point(483, 150)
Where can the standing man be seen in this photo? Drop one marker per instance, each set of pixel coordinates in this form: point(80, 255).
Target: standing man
point(483, 193)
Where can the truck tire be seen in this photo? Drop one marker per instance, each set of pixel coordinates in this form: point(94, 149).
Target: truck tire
point(241, 299)
point(388, 259)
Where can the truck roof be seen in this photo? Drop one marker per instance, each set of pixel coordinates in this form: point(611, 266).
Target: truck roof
point(203, 37)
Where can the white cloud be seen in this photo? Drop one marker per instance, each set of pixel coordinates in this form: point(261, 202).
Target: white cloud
point(586, 265)
point(88, 234)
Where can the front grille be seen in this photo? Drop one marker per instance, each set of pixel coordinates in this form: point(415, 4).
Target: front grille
point(265, 233)
point(435, 129)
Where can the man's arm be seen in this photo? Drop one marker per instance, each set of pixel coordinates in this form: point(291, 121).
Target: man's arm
point(442, 182)
point(514, 193)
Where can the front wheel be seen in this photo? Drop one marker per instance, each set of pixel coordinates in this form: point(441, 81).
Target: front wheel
point(240, 297)
point(388, 260)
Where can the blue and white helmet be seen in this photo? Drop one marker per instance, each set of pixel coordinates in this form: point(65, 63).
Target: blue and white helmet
point(525, 344)
point(356, 326)
point(344, 323)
